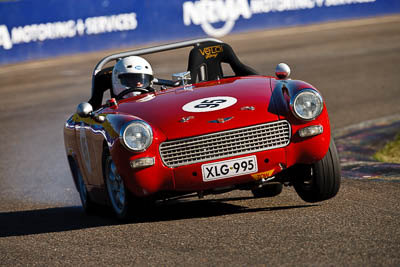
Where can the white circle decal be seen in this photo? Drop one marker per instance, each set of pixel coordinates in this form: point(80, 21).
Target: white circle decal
point(209, 104)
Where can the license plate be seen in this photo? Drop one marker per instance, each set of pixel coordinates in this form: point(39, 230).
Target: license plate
point(229, 168)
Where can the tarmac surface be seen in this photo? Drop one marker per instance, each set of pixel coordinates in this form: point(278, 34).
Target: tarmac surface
point(358, 143)
point(355, 66)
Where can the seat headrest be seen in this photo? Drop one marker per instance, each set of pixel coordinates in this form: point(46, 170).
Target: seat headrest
point(205, 62)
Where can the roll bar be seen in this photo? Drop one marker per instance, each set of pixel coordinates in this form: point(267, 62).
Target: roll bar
point(149, 50)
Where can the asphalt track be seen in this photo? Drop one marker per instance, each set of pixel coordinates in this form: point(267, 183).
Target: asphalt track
point(355, 64)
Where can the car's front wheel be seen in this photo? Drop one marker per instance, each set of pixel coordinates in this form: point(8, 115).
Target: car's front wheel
point(321, 180)
point(117, 193)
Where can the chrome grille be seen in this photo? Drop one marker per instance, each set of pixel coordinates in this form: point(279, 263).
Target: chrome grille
point(225, 144)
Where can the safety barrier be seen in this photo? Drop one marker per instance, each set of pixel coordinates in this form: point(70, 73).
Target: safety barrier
point(38, 29)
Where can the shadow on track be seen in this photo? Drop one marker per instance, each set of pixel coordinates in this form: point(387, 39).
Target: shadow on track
point(203, 209)
point(50, 220)
point(62, 219)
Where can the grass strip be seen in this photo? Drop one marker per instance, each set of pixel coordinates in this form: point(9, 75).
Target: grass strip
point(391, 152)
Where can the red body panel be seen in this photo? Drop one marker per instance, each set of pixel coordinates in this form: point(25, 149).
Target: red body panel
point(164, 112)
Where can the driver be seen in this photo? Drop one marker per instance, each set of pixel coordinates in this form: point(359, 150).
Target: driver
point(132, 73)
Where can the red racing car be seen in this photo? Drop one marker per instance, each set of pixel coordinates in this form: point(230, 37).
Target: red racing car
point(201, 132)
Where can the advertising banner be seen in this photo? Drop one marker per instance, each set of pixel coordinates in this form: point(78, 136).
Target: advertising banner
point(32, 29)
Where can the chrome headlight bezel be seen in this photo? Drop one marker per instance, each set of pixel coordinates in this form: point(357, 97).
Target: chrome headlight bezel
point(146, 129)
point(318, 110)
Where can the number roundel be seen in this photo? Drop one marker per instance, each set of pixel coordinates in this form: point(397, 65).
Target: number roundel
point(209, 104)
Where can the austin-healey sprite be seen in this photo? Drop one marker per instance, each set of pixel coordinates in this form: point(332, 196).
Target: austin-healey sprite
point(202, 132)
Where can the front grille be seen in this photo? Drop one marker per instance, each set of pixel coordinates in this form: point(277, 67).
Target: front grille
point(225, 144)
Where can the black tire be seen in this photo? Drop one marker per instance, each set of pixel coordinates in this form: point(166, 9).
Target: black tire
point(268, 190)
point(118, 196)
point(133, 207)
point(87, 204)
point(321, 180)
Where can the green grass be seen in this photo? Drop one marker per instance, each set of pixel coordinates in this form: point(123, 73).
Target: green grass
point(391, 152)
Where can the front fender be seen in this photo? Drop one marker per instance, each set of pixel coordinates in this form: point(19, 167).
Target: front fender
point(300, 150)
point(140, 182)
point(282, 92)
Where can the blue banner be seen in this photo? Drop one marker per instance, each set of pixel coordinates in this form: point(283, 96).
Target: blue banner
point(32, 29)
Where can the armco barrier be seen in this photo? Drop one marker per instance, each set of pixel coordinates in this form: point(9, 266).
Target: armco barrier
point(32, 29)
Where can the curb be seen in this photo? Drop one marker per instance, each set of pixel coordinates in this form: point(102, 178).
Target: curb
point(358, 143)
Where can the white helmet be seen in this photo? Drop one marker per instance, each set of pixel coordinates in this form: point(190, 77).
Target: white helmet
point(131, 72)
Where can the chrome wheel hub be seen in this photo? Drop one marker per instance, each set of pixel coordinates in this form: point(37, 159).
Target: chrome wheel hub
point(115, 187)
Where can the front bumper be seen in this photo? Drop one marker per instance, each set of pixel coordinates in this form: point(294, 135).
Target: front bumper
point(189, 178)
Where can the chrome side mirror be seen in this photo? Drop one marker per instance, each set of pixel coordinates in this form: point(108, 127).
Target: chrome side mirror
point(185, 77)
point(282, 71)
point(84, 110)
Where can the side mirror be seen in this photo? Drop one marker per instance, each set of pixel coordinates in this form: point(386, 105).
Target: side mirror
point(185, 77)
point(282, 71)
point(84, 110)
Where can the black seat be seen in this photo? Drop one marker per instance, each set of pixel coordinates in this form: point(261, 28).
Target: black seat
point(102, 83)
point(205, 62)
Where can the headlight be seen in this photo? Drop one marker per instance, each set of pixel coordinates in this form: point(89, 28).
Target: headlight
point(307, 104)
point(136, 135)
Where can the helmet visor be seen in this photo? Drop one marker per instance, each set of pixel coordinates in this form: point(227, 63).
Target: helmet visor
point(135, 80)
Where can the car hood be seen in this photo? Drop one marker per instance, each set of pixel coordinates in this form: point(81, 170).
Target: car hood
point(247, 102)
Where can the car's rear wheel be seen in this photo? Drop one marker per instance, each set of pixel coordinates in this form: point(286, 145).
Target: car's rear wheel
point(321, 180)
point(87, 204)
point(117, 193)
point(268, 190)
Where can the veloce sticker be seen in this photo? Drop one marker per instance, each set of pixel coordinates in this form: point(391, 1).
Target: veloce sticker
point(209, 104)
